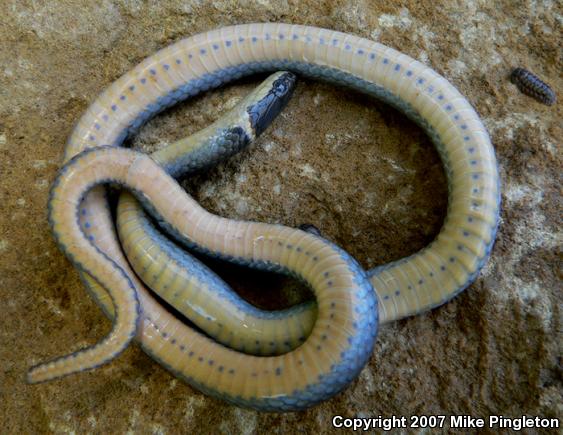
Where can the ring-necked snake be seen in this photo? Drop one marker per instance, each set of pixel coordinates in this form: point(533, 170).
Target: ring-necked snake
point(343, 335)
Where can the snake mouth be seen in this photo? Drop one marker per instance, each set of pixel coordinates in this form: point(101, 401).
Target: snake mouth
point(263, 112)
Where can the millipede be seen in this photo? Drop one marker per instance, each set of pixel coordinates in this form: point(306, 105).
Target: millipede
point(533, 86)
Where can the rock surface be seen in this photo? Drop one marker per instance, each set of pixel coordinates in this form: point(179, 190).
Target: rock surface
point(358, 170)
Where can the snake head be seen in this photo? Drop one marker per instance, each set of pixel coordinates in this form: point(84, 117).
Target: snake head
point(278, 89)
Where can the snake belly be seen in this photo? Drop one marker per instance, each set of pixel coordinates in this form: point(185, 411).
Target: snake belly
point(190, 66)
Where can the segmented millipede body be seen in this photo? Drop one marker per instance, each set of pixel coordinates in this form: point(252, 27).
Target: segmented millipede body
point(532, 85)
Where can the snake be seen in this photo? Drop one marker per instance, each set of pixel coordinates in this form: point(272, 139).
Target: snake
point(342, 338)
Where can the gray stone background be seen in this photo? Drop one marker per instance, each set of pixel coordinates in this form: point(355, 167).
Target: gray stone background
point(361, 172)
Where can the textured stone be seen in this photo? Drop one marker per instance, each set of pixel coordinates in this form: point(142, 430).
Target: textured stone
point(364, 175)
